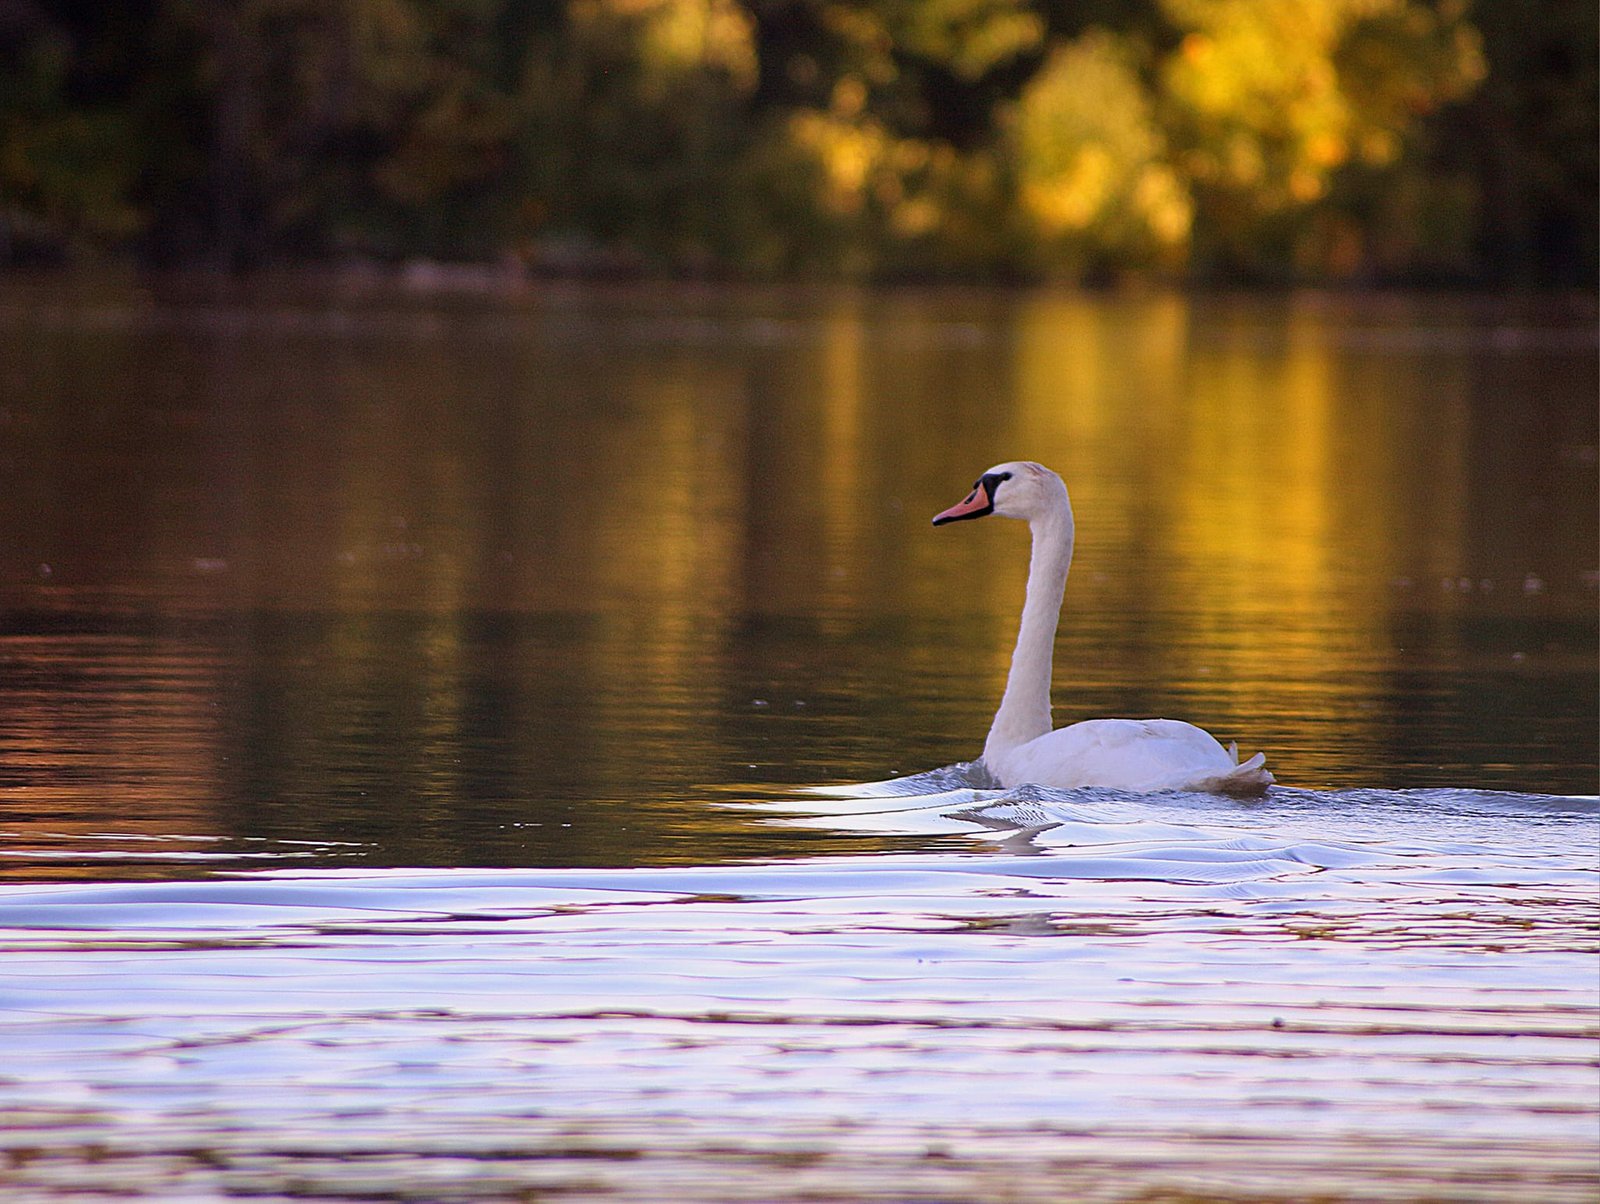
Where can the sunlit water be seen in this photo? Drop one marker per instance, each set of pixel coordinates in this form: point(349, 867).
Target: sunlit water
point(410, 708)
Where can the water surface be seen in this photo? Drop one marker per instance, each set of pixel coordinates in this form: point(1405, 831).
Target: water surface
point(406, 704)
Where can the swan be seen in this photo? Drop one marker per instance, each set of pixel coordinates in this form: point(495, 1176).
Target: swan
point(1139, 755)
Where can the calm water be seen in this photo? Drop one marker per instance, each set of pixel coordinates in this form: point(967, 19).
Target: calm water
point(406, 705)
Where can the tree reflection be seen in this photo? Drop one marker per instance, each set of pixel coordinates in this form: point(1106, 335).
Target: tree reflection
point(534, 583)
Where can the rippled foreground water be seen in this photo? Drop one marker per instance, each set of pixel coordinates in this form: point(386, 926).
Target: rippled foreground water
point(408, 714)
point(1367, 995)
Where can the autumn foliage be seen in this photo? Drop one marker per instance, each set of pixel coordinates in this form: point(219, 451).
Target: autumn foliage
point(1237, 141)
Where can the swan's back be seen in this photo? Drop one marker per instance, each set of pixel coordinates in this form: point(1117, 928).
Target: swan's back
point(1142, 755)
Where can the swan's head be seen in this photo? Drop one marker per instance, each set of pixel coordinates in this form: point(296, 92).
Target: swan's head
point(1018, 489)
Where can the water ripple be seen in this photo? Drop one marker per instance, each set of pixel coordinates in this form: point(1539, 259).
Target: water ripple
point(1389, 995)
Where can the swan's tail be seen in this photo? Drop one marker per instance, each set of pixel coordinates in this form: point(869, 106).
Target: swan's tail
point(1245, 780)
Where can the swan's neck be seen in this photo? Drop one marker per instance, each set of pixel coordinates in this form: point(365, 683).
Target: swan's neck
point(1024, 712)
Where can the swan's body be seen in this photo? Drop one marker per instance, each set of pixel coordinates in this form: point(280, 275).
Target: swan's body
point(1141, 755)
point(1126, 754)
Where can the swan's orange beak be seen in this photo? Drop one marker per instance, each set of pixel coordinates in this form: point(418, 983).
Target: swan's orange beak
point(975, 505)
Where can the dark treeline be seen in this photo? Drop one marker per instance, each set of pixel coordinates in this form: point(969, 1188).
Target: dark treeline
point(1217, 141)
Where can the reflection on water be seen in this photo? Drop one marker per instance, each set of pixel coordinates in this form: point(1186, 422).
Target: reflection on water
point(578, 586)
point(457, 580)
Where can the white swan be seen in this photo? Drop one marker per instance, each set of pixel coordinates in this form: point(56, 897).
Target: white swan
point(1142, 755)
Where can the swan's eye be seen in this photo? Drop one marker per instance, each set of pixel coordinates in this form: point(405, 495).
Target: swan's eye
point(990, 482)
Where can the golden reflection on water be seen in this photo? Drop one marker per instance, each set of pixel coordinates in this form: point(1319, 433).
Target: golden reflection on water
point(841, 473)
point(1287, 508)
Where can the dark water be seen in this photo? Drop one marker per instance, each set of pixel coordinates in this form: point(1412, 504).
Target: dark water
point(405, 703)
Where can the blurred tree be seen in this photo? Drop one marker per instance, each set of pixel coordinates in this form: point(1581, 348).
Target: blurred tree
point(1091, 165)
point(631, 121)
point(878, 146)
point(347, 126)
point(67, 161)
point(1267, 103)
point(929, 68)
point(1231, 140)
point(1528, 140)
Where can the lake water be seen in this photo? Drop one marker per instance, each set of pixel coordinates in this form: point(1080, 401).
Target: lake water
point(408, 705)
